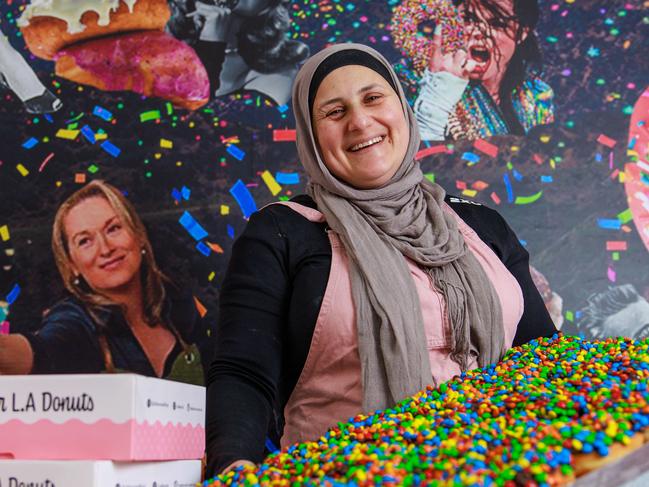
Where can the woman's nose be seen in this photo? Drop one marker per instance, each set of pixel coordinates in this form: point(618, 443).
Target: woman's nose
point(105, 245)
point(358, 118)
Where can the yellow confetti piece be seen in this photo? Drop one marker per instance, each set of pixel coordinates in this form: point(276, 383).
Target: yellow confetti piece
point(225, 210)
point(621, 176)
point(67, 134)
point(469, 192)
point(544, 138)
point(4, 233)
point(631, 153)
point(514, 148)
point(211, 276)
point(157, 155)
point(22, 170)
point(101, 136)
point(166, 144)
point(273, 186)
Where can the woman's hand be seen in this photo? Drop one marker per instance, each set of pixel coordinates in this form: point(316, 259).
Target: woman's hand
point(457, 63)
point(212, 21)
point(237, 463)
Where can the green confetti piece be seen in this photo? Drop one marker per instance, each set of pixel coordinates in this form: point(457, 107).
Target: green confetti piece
point(526, 200)
point(625, 216)
point(92, 169)
point(150, 115)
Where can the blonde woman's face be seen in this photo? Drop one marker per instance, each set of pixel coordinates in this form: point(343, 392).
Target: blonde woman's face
point(103, 250)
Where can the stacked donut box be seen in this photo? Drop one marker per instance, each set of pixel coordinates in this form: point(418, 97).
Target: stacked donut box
point(100, 430)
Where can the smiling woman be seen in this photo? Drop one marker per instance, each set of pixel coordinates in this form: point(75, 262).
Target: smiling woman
point(368, 289)
point(122, 312)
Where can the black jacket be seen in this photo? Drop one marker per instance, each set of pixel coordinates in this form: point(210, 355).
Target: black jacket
point(270, 300)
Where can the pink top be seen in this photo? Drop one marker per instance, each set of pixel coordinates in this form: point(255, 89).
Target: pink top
point(329, 387)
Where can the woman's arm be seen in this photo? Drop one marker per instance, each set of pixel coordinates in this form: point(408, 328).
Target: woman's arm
point(438, 95)
point(213, 23)
point(242, 382)
point(16, 354)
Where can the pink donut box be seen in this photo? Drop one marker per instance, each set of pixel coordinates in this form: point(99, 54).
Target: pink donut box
point(122, 417)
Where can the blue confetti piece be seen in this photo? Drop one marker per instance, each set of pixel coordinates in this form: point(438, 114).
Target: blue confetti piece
point(644, 178)
point(598, 157)
point(632, 143)
point(471, 157)
point(88, 133)
point(203, 249)
point(508, 187)
point(282, 108)
point(235, 152)
point(244, 198)
point(270, 446)
point(287, 177)
point(31, 142)
point(609, 223)
point(102, 113)
point(192, 226)
point(13, 294)
point(518, 176)
point(230, 230)
point(185, 191)
point(112, 149)
point(176, 194)
point(546, 179)
point(48, 117)
point(523, 242)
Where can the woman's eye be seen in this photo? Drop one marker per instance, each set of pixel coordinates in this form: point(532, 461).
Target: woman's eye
point(114, 228)
point(334, 112)
point(83, 242)
point(372, 98)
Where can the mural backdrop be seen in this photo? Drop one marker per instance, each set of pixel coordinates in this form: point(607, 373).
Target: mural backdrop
point(539, 111)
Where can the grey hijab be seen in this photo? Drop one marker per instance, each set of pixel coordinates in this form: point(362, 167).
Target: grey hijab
point(378, 227)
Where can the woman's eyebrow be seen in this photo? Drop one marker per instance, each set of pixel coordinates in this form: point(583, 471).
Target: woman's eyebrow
point(360, 91)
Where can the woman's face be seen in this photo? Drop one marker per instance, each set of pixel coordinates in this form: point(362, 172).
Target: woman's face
point(491, 39)
point(359, 126)
point(103, 250)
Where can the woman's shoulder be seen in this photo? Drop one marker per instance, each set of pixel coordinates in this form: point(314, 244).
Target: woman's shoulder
point(68, 307)
point(300, 211)
point(490, 226)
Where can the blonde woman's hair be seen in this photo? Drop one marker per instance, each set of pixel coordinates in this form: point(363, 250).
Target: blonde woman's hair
point(153, 291)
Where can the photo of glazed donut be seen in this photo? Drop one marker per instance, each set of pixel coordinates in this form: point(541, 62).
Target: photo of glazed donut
point(479, 66)
point(242, 43)
point(116, 45)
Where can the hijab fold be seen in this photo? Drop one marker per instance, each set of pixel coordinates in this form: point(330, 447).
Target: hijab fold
point(378, 228)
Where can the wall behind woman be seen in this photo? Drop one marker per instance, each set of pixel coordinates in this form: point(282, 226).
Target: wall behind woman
point(560, 186)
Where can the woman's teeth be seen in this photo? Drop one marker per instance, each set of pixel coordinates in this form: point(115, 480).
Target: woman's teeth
point(362, 145)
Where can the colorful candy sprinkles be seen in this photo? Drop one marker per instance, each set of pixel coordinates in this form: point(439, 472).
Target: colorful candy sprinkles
point(519, 422)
